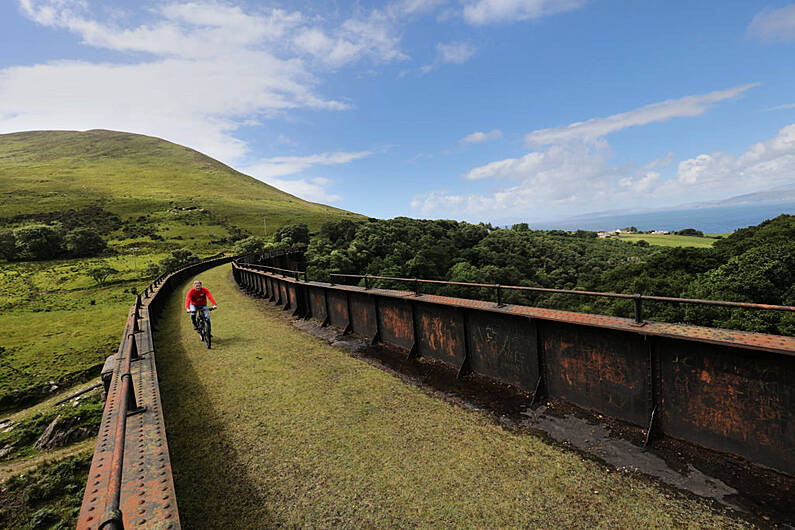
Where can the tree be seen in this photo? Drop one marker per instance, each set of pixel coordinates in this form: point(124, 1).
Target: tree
point(8, 245)
point(642, 243)
point(178, 259)
point(36, 242)
point(101, 273)
point(84, 242)
point(249, 245)
point(297, 234)
point(690, 232)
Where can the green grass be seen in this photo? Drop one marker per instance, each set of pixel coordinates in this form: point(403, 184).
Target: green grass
point(274, 427)
point(51, 329)
point(133, 175)
point(670, 240)
point(46, 497)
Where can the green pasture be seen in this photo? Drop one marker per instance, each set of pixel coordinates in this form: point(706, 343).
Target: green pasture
point(671, 240)
point(58, 324)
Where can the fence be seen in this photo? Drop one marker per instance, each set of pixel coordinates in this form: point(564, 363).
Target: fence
point(726, 390)
point(130, 482)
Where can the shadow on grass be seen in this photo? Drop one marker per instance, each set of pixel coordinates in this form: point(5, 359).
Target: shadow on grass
point(212, 485)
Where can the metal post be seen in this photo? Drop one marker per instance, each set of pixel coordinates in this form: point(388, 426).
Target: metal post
point(416, 287)
point(366, 283)
point(638, 299)
point(499, 295)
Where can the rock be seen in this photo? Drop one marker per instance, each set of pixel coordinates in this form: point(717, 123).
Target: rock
point(53, 388)
point(5, 450)
point(44, 440)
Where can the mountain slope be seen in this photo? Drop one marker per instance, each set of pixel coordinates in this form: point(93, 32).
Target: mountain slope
point(133, 175)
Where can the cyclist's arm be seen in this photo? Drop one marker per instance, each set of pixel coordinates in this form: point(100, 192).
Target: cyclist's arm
point(209, 296)
point(187, 302)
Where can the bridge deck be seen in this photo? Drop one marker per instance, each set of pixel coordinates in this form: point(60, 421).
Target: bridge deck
point(274, 427)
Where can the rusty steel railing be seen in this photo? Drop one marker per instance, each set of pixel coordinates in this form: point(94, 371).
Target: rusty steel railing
point(636, 298)
point(727, 390)
point(284, 272)
point(130, 482)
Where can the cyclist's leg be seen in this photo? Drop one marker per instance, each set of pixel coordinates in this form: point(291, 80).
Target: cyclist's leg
point(206, 312)
point(193, 316)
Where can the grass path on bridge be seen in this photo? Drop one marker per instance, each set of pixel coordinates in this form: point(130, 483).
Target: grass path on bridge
point(273, 427)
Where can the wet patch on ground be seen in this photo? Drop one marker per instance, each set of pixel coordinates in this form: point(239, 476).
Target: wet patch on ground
point(758, 494)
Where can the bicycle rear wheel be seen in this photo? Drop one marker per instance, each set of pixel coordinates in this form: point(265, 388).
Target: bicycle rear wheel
point(207, 337)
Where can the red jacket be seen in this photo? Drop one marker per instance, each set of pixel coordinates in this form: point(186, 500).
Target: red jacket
point(198, 297)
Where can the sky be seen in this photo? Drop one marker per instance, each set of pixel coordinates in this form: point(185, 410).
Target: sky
point(477, 110)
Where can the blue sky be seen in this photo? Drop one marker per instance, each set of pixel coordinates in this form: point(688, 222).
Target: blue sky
point(493, 110)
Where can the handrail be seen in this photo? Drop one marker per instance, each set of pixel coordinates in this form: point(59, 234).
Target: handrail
point(283, 272)
point(636, 298)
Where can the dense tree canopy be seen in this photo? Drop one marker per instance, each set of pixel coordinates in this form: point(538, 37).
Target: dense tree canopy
point(752, 265)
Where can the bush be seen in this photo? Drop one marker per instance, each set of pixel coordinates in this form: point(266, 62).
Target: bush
point(84, 242)
point(293, 235)
point(690, 232)
point(178, 259)
point(8, 245)
point(101, 273)
point(37, 242)
point(249, 245)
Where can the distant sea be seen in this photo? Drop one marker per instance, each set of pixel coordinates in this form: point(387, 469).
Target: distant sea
point(715, 220)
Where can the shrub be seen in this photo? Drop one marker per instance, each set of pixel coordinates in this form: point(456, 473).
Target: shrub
point(8, 245)
point(37, 242)
point(84, 242)
point(101, 273)
point(249, 245)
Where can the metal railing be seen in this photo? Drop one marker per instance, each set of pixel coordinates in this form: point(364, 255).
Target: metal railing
point(637, 299)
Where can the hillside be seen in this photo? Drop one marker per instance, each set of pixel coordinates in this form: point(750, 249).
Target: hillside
point(132, 175)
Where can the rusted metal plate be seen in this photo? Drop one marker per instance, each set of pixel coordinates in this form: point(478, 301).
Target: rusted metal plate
point(363, 317)
point(147, 497)
point(292, 295)
point(396, 322)
point(284, 294)
point(726, 399)
point(440, 333)
point(504, 347)
point(337, 308)
point(317, 303)
point(598, 369)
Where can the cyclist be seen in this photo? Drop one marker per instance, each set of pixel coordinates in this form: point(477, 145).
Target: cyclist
point(197, 301)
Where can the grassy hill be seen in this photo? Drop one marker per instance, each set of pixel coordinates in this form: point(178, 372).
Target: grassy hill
point(135, 176)
point(137, 192)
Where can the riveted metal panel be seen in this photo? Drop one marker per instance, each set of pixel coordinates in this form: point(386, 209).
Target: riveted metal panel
point(363, 315)
point(317, 303)
point(504, 347)
point(598, 369)
point(283, 300)
point(338, 308)
point(396, 322)
point(440, 333)
point(730, 400)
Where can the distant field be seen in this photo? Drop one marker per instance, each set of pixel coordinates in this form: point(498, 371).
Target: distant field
point(669, 240)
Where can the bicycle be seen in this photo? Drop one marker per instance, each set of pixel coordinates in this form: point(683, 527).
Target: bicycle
point(203, 327)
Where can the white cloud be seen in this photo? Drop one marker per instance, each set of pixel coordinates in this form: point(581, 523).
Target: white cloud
point(774, 24)
point(287, 165)
point(571, 171)
point(593, 129)
point(455, 52)
point(181, 60)
point(782, 107)
point(480, 12)
point(478, 137)
point(764, 165)
point(314, 190)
